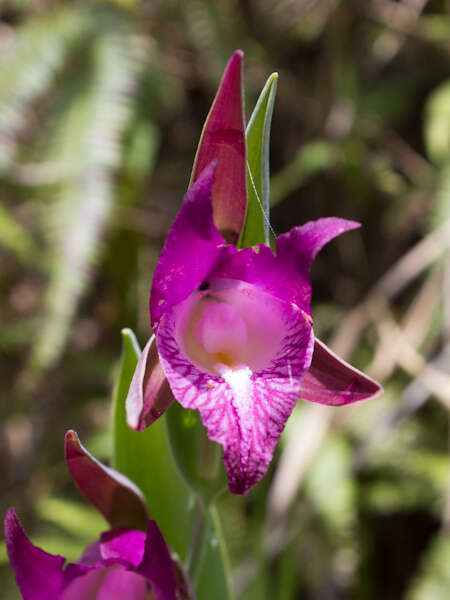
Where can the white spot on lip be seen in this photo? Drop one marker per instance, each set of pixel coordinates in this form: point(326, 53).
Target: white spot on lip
point(291, 381)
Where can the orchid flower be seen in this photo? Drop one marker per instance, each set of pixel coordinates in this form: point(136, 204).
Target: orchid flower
point(234, 332)
point(233, 327)
point(124, 563)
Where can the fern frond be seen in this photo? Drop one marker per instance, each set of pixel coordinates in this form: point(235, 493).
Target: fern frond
point(29, 68)
point(89, 137)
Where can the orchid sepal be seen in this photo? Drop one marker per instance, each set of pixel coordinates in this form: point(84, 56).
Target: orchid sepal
point(332, 381)
point(149, 395)
point(119, 500)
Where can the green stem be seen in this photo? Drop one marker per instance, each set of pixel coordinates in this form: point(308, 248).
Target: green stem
point(199, 540)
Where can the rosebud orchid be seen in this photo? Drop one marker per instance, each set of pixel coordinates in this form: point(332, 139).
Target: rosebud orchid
point(233, 327)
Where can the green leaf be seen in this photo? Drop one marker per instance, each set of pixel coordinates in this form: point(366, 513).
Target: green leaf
point(145, 457)
point(256, 228)
point(197, 458)
point(437, 124)
point(215, 573)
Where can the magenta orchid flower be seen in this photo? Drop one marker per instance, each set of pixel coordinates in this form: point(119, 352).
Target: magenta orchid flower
point(123, 563)
point(130, 561)
point(233, 328)
point(234, 333)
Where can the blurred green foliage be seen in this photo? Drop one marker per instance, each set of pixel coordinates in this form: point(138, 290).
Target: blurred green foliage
point(101, 108)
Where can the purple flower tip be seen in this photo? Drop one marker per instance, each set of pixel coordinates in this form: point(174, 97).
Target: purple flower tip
point(223, 140)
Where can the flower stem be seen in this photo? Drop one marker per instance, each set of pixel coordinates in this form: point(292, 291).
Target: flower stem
point(199, 539)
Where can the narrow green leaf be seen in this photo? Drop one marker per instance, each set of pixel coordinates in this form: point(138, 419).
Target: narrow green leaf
point(256, 229)
point(145, 457)
point(437, 124)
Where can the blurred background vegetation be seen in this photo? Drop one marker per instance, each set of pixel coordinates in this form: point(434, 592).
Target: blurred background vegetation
point(101, 108)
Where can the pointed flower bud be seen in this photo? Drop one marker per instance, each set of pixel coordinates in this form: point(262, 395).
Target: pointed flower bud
point(223, 141)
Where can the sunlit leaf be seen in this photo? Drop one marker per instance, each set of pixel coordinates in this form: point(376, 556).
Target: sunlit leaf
point(437, 124)
point(256, 228)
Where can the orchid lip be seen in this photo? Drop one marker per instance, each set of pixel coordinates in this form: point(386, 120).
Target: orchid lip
point(220, 328)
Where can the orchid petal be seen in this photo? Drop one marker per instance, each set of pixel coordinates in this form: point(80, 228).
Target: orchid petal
point(113, 494)
point(245, 408)
point(149, 395)
point(223, 140)
point(285, 275)
point(157, 565)
point(192, 248)
point(38, 574)
point(296, 251)
point(330, 380)
point(123, 545)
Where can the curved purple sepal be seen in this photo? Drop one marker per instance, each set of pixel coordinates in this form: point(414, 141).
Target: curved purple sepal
point(149, 395)
point(223, 140)
point(118, 499)
point(157, 565)
point(330, 380)
point(192, 248)
point(39, 575)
